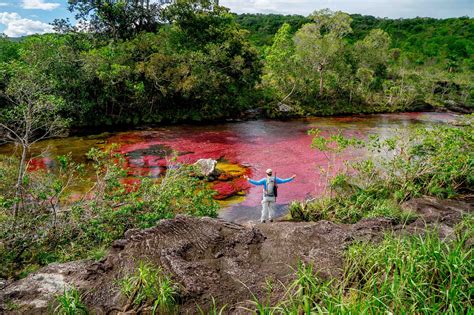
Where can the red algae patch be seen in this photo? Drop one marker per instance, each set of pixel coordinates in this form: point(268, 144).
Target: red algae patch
point(41, 163)
point(227, 189)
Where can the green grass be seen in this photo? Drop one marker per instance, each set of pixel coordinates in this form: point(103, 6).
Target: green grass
point(350, 209)
point(419, 274)
point(213, 310)
point(150, 286)
point(70, 303)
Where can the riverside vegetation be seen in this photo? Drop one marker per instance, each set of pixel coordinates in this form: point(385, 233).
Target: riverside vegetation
point(51, 225)
point(135, 62)
point(436, 161)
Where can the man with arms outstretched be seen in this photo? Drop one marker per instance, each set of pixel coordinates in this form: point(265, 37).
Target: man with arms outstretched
point(269, 193)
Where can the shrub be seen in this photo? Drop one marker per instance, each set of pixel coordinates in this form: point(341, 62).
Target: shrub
point(52, 228)
point(436, 161)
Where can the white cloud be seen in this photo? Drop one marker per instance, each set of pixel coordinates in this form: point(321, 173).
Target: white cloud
point(4, 4)
point(39, 5)
point(17, 26)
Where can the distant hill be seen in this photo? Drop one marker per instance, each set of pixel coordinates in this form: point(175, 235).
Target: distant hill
point(423, 37)
point(17, 39)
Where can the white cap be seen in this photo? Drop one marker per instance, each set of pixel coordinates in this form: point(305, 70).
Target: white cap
point(269, 171)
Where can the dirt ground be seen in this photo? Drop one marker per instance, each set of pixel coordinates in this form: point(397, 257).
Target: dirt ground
point(215, 258)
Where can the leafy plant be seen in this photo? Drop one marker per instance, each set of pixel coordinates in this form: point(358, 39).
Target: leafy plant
point(69, 303)
point(149, 286)
point(436, 161)
point(55, 229)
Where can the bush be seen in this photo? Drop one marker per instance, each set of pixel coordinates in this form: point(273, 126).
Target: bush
point(51, 228)
point(436, 161)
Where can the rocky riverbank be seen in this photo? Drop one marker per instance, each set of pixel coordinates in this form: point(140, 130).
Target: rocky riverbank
point(215, 258)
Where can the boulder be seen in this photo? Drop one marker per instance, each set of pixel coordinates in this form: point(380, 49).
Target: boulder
point(206, 167)
point(284, 108)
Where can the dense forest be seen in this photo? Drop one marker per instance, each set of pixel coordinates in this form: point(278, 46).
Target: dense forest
point(195, 60)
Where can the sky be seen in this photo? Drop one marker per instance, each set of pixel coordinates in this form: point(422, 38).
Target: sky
point(26, 17)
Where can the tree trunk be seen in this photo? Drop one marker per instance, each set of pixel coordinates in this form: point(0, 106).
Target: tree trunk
point(19, 183)
point(320, 70)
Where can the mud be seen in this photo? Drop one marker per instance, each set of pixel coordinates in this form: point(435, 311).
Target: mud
point(215, 258)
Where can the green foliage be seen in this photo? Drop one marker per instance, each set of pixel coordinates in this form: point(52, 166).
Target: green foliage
point(114, 18)
point(401, 275)
point(263, 27)
point(199, 66)
point(150, 286)
point(69, 303)
point(8, 49)
point(194, 60)
point(435, 161)
point(373, 68)
point(52, 228)
point(279, 73)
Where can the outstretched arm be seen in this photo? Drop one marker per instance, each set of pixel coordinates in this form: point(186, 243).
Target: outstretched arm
point(285, 180)
point(255, 182)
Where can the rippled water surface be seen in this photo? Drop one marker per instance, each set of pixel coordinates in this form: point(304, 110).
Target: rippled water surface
point(244, 147)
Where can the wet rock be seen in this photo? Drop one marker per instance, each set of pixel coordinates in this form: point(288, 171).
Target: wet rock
point(251, 114)
point(206, 167)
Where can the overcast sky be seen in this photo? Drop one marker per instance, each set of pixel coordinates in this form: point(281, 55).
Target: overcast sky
point(26, 17)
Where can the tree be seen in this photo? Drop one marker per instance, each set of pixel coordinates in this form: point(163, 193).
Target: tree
point(200, 21)
point(32, 115)
point(279, 63)
point(116, 18)
point(373, 50)
point(8, 49)
point(318, 44)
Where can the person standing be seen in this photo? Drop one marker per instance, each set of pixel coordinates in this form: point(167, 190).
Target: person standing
point(270, 192)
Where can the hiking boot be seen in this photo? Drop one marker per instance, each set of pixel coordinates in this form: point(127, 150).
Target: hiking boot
point(271, 220)
point(262, 221)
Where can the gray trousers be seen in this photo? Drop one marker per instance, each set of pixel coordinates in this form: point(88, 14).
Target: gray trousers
point(268, 208)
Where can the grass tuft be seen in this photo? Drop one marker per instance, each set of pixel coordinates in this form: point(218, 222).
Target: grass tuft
point(70, 303)
point(149, 286)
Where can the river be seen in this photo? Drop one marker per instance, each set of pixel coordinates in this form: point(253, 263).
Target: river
point(248, 147)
